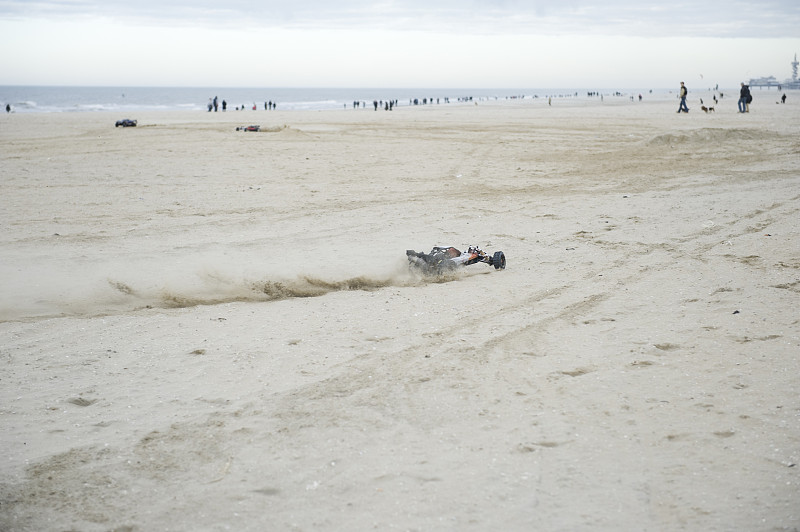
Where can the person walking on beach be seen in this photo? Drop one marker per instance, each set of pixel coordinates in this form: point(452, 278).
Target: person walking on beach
point(8, 105)
point(744, 99)
point(683, 94)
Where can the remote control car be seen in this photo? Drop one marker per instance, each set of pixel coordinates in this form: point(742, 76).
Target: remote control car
point(443, 259)
point(127, 122)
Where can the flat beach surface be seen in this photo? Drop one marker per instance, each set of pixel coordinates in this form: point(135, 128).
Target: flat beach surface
point(210, 329)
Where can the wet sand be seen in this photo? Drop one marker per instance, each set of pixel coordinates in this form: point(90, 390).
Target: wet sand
point(209, 329)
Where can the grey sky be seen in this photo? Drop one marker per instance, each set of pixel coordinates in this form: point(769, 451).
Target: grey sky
point(732, 18)
point(436, 43)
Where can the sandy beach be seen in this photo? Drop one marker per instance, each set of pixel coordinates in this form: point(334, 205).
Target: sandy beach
point(210, 329)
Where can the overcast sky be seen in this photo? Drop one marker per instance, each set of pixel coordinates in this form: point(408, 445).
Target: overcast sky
point(390, 43)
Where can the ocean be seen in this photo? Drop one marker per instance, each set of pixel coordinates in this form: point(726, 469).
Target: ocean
point(130, 99)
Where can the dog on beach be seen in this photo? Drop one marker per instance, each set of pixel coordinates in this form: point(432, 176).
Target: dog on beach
point(707, 109)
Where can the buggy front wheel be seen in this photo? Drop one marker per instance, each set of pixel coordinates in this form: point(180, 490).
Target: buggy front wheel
point(499, 260)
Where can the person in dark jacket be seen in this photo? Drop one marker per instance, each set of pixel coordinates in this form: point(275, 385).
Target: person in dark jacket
point(744, 99)
point(684, 91)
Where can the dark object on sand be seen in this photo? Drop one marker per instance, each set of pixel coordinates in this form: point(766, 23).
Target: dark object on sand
point(125, 123)
point(248, 128)
point(442, 259)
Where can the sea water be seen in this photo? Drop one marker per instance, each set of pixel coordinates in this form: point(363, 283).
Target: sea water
point(49, 99)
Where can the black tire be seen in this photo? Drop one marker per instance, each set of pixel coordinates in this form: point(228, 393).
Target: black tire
point(499, 260)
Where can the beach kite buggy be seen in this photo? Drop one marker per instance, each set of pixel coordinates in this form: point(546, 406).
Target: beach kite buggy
point(443, 259)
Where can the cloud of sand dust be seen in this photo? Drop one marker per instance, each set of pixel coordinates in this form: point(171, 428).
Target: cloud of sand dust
point(113, 288)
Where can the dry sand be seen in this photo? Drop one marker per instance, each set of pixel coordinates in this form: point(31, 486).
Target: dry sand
point(205, 329)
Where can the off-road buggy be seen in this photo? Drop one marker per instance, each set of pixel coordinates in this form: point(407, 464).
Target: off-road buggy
point(443, 259)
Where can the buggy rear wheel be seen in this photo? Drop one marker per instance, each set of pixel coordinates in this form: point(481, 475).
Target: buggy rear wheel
point(499, 260)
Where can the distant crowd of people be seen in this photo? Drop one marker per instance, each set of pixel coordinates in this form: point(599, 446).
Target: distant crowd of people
point(214, 105)
point(745, 98)
point(388, 105)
